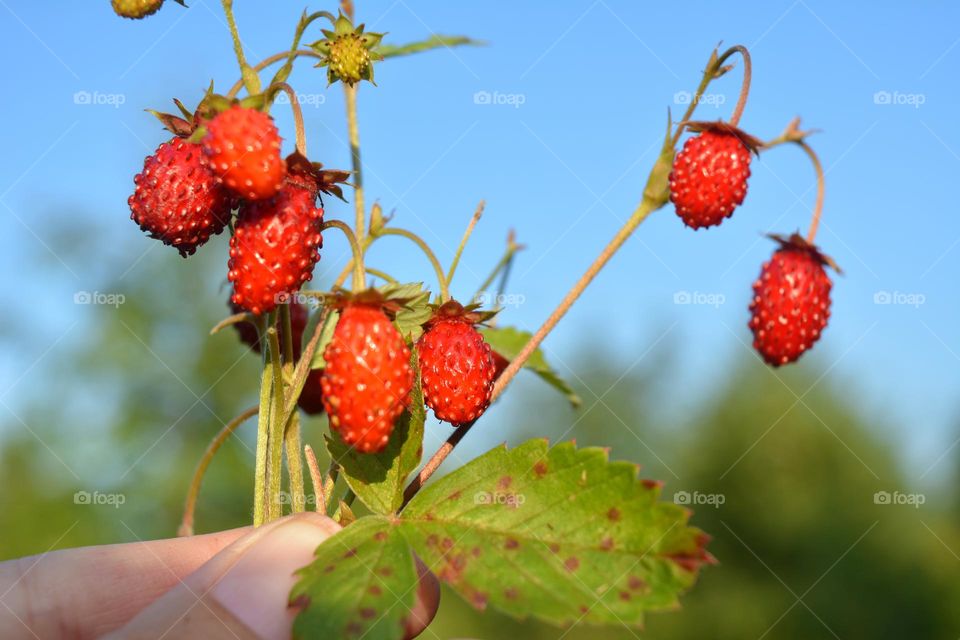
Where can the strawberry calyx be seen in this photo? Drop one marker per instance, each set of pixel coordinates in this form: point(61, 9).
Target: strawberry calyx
point(796, 242)
point(752, 143)
point(312, 175)
point(453, 310)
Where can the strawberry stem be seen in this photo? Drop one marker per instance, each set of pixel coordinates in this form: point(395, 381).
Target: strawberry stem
point(278, 422)
point(714, 66)
point(506, 259)
point(319, 497)
point(263, 430)
point(463, 241)
point(353, 134)
point(301, 134)
point(291, 436)
point(189, 507)
point(266, 62)
point(427, 251)
point(359, 281)
point(250, 78)
point(821, 188)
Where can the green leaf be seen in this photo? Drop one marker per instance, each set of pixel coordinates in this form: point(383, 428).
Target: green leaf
point(326, 335)
point(508, 342)
point(378, 479)
point(361, 584)
point(415, 311)
point(433, 42)
point(560, 534)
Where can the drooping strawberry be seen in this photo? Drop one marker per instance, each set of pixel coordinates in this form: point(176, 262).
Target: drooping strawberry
point(791, 301)
point(367, 378)
point(275, 246)
point(709, 176)
point(242, 146)
point(457, 366)
point(177, 200)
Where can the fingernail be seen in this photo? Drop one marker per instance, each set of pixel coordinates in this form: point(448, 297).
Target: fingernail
point(257, 587)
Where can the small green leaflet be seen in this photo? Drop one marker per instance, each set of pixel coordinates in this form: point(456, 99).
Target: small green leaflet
point(415, 311)
point(560, 534)
point(379, 479)
point(361, 584)
point(508, 342)
point(433, 42)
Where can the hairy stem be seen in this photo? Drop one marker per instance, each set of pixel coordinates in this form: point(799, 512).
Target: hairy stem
point(301, 133)
point(821, 188)
point(266, 62)
point(249, 77)
point(189, 507)
point(359, 280)
point(353, 134)
point(278, 422)
point(463, 242)
point(319, 495)
point(263, 431)
point(427, 251)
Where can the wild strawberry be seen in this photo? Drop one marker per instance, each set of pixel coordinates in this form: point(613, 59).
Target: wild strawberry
point(457, 366)
point(348, 52)
point(709, 176)
point(177, 199)
point(274, 247)
point(243, 148)
point(136, 9)
point(367, 378)
point(791, 302)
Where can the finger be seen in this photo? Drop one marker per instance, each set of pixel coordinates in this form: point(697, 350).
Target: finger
point(244, 591)
point(74, 592)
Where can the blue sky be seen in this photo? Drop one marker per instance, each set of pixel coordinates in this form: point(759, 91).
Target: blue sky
point(579, 94)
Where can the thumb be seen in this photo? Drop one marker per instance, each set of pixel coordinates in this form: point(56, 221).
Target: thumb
point(243, 591)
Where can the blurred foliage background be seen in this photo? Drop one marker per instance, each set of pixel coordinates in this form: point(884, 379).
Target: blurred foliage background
point(804, 549)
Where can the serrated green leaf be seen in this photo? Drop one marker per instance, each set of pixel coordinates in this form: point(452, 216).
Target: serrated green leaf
point(361, 584)
point(561, 534)
point(326, 335)
point(378, 479)
point(508, 342)
point(415, 311)
point(433, 42)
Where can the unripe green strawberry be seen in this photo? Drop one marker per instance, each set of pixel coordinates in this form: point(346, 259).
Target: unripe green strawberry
point(347, 52)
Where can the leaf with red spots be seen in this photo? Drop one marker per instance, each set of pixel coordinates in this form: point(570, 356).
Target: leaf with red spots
point(378, 479)
point(561, 534)
point(361, 584)
point(508, 342)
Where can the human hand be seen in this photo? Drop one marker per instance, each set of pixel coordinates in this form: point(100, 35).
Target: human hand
point(233, 584)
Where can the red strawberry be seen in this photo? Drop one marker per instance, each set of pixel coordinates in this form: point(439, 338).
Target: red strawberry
point(457, 366)
point(177, 199)
point(709, 177)
point(367, 378)
point(274, 247)
point(243, 148)
point(791, 302)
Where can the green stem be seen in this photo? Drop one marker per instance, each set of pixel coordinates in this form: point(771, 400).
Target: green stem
point(291, 439)
point(359, 279)
point(277, 424)
point(189, 507)
point(299, 129)
point(250, 78)
point(263, 433)
point(381, 274)
point(463, 241)
point(353, 134)
point(427, 251)
point(266, 62)
point(508, 254)
point(709, 74)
